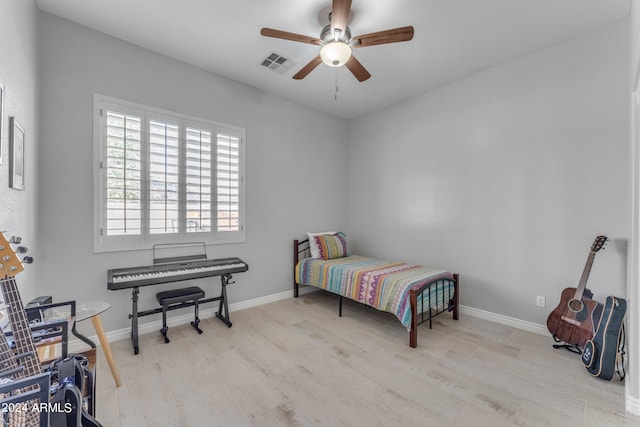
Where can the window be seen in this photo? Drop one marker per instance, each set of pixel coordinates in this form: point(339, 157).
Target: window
point(164, 177)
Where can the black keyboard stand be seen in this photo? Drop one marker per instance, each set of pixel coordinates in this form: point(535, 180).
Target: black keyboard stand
point(226, 279)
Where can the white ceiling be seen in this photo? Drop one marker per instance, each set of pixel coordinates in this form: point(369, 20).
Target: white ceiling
point(453, 38)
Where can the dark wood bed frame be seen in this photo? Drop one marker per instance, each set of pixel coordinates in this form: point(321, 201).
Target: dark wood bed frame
point(301, 251)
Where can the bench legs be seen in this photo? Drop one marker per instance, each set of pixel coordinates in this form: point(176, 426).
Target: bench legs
point(164, 325)
point(178, 298)
point(165, 328)
point(196, 321)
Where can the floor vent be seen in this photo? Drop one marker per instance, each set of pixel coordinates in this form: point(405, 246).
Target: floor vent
point(277, 62)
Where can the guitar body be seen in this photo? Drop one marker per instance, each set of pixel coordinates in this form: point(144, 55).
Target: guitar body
point(576, 317)
point(572, 327)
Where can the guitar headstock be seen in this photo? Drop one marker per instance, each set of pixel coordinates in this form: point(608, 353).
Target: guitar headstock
point(598, 243)
point(10, 263)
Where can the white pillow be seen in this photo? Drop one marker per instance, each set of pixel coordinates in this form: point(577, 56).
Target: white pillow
point(313, 247)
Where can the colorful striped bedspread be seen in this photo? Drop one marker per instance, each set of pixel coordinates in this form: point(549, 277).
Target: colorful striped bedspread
point(383, 285)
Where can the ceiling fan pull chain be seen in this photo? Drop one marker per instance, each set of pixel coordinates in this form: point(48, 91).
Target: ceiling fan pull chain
point(335, 96)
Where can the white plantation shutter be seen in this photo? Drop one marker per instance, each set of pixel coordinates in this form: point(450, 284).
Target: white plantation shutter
point(199, 180)
point(123, 174)
point(228, 182)
point(164, 178)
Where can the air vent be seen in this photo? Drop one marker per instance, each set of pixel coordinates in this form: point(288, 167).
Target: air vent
point(277, 63)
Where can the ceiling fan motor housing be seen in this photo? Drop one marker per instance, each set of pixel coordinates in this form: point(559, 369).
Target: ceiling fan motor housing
point(327, 35)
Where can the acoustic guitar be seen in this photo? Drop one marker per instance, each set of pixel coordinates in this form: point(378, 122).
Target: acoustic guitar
point(575, 318)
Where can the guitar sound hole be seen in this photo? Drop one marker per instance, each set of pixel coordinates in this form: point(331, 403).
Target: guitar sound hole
point(576, 305)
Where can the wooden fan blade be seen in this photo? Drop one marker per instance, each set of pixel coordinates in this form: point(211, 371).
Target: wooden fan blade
point(395, 35)
point(357, 69)
point(270, 32)
point(308, 68)
point(340, 14)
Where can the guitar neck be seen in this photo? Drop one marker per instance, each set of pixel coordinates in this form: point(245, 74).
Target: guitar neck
point(20, 327)
point(23, 342)
point(7, 357)
point(585, 276)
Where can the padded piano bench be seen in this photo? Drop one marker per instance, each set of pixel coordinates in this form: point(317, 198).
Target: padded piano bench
point(176, 298)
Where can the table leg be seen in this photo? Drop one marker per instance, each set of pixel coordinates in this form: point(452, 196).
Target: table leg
point(97, 324)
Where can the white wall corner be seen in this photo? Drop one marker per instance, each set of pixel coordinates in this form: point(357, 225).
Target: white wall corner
point(633, 406)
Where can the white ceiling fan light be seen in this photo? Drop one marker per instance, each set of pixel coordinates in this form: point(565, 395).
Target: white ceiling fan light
point(335, 54)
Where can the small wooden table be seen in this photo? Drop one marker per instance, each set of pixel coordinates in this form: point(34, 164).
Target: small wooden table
point(92, 310)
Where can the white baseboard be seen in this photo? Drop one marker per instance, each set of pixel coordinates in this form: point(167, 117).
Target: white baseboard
point(633, 405)
point(504, 320)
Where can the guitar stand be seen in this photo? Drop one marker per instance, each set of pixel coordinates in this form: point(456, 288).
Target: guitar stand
point(569, 347)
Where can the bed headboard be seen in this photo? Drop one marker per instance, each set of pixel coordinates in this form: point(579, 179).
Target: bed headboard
point(301, 251)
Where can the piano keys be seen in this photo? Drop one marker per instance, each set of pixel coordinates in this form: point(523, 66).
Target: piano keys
point(165, 270)
point(124, 278)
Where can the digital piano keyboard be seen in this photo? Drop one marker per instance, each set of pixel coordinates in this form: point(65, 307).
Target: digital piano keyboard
point(124, 278)
point(165, 272)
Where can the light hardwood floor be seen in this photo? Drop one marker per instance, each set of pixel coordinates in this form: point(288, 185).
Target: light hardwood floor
point(296, 363)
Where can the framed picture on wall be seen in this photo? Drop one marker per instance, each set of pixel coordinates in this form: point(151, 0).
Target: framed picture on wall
point(16, 154)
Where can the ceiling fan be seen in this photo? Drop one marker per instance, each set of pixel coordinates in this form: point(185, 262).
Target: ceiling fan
point(336, 42)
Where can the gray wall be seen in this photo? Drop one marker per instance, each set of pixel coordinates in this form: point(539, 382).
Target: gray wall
point(19, 73)
point(288, 147)
point(505, 177)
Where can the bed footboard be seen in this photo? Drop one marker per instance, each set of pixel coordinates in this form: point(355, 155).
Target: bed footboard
point(423, 295)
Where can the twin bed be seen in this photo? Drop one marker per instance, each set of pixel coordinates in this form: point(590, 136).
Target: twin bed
point(414, 294)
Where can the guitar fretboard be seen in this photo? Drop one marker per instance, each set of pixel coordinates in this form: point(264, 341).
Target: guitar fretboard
point(20, 327)
point(585, 276)
point(22, 338)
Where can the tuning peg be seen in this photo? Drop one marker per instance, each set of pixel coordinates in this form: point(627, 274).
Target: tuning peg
point(15, 240)
point(22, 249)
point(27, 259)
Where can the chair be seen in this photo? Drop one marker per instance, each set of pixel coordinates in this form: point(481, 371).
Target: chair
point(17, 392)
point(48, 333)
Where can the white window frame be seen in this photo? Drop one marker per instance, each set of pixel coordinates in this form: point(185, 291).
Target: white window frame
point(104, 243)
